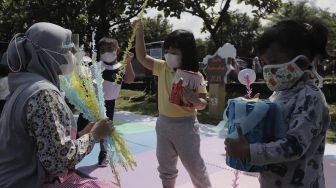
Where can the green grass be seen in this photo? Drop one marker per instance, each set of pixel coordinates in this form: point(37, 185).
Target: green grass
point(140, 103)
point(137, 102)
point(331, 134)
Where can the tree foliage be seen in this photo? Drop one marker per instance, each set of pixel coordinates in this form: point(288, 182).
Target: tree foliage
point(157, 28)
point(106, 17)
point(303, 12)
point(241, 31)
point(214, 20)
point(81, 16)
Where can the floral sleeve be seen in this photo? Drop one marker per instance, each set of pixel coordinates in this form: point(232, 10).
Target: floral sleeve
point(50, 124)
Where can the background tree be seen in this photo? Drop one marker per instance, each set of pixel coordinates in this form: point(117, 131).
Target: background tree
point(17, 16)
point(156, 29)
point(303, 12)
point(214, 20)
point(81, 16)
point(241, 31)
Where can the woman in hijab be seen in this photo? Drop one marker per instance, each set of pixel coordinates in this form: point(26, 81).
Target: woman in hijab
point(37, 128)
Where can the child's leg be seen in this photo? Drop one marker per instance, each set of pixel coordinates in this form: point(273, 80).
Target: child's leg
point(109, 104)
point(166, 154)
point(187, 144)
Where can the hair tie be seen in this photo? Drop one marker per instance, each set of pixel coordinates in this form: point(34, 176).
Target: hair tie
point(308, 26)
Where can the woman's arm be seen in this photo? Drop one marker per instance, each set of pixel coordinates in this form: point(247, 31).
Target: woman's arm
point(50, 126)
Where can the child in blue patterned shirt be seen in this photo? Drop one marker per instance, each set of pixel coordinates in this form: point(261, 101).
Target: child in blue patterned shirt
point(290, 50)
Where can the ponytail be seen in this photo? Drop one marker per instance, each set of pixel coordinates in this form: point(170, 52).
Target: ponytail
point(318, 35)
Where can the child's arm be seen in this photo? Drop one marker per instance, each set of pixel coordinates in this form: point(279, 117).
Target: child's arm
point(129, 74)
point(140, 48)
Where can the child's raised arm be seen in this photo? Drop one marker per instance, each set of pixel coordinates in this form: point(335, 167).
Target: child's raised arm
point(140, 48)
point(129, 74)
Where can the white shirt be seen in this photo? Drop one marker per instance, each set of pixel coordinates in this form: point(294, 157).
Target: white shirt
point(111, 85)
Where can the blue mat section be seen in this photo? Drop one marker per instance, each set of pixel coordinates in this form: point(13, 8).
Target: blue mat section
point(141, 142)
point(92, 158)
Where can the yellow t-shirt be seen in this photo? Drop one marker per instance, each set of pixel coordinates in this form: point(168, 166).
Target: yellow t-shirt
point(165, 80)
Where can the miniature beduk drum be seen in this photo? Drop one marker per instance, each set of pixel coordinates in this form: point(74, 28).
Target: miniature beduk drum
point(261, 121)
point(184, 79)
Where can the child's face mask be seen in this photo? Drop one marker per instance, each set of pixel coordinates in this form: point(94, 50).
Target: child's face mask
point(283, 76)
point(108, 56)
point(173, 61)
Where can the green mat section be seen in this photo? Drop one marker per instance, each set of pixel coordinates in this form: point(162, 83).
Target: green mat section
point(132, 128)
point(118, 122)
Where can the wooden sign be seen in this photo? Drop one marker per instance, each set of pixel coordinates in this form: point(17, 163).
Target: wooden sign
point(216, 70)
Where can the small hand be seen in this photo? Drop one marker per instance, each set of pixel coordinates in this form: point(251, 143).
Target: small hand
point(86, 130)
point(138, 24)
point(129, 57)
point(102, 129)
point(239, 147)
point(194, 98)
point(190, 95)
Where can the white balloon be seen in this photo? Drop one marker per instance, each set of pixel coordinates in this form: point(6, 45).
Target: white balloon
point(246, 72)
point(226, 51)
point(206, 59)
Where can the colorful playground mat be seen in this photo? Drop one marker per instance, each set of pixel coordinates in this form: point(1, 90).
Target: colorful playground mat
point(139, 131)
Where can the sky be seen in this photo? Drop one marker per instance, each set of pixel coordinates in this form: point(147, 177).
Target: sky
point(195, 24)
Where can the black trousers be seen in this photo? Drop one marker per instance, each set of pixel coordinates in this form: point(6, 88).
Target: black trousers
point(109, 105)
point(2, 104)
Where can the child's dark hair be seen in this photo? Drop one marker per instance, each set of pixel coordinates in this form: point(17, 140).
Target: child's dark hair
point(185, 41)
point(107, 40)
point(297, 38)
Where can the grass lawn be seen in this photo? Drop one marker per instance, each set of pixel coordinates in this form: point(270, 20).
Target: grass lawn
point(139, 102)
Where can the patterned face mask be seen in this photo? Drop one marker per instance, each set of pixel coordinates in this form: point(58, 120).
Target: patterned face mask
point(283, 76)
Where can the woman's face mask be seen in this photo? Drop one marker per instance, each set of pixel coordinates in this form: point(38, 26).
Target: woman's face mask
point(67, 69)
point(108, 56)
point(173, 61)
point(70, 58)
point(283, 76)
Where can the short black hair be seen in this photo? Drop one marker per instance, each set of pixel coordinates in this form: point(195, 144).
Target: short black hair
point(297, 38)
point(185, 41)
point(108, 40)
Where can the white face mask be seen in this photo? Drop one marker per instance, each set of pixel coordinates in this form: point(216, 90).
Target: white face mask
point(70, 58)
point(108, 56)
point(283, 76)
point(173, 61)
point(67, 69)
